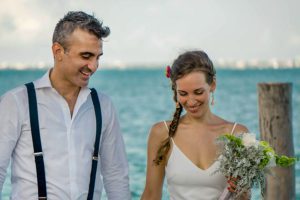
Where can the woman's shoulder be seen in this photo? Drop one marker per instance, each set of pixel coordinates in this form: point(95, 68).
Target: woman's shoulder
point(230, 127)
point(159, 130)
point(238, 128)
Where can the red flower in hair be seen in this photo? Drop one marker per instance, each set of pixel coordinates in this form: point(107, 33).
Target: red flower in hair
point(168, 71)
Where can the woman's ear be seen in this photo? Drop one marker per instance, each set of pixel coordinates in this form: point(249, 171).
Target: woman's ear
point(213, 85)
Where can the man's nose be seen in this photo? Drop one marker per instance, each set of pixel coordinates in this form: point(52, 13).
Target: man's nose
point(93, 65)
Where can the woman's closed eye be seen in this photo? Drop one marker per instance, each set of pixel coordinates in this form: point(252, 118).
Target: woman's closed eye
point(182, 93)
point(196, 92)
point(199, 92)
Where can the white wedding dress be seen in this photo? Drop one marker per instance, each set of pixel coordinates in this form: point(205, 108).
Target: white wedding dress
point(186, 181)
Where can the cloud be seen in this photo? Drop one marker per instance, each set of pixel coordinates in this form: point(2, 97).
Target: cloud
point(294, 40)
point(7, 25)
point(156, 31)
point(21, 22)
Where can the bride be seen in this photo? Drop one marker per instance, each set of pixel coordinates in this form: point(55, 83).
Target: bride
point(183, 150)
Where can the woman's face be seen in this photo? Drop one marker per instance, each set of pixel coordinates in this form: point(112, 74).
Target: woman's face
point(193, 93)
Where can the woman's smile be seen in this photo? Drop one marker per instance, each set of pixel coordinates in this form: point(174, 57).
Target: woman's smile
point(193, 109)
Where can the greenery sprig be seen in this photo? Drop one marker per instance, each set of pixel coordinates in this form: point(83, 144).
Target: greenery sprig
point(247, 159)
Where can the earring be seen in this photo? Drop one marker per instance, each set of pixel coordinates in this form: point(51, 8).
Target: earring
point(177, 105)
point(212, 99)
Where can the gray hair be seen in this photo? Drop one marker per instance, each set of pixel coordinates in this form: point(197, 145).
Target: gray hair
point(78, 19)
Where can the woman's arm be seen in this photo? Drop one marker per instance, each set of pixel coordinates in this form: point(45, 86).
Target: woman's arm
point(155, 173)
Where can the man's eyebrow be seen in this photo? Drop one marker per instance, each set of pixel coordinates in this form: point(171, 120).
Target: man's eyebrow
point(90, 53)
point(86, 53)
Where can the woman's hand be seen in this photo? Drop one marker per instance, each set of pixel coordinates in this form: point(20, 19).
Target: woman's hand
point(232, 181)
point(232, 184)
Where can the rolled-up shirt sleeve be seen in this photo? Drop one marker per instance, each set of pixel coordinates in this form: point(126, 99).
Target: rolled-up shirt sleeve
point(9, 132)
point(114, 165)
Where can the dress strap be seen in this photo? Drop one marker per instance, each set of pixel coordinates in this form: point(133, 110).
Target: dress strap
point(166, 125)
point(172, 140)
point(234, 125)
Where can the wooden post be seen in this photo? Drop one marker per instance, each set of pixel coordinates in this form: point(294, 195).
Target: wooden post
point(275, 124)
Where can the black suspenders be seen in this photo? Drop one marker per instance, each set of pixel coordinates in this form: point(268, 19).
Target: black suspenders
point(97, 109)
point(36, 139)
point(37, 147)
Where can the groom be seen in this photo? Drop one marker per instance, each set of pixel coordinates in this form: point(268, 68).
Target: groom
point(54, 160)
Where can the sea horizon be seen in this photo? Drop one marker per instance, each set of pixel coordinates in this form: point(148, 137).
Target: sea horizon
point(133, 67)
point(219, 64)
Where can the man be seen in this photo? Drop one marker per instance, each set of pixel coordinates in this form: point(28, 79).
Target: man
point(67, 123)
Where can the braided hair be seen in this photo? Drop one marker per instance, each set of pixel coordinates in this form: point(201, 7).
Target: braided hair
point(186, 63)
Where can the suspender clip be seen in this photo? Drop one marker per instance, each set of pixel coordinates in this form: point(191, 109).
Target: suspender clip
point(38, 154)
point(95, 157)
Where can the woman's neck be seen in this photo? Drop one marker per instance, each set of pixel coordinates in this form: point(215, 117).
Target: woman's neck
point(207, 118)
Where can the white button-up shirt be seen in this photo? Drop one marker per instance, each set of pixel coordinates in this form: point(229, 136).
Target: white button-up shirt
point(67, 142)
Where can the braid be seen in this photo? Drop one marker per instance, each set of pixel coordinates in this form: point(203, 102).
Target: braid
point(175, 121)
point(165, 145)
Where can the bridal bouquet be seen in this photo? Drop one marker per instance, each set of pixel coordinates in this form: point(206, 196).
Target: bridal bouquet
point(247, 160)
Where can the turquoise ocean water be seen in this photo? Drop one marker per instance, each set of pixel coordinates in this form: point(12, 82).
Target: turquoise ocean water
point(143, 97)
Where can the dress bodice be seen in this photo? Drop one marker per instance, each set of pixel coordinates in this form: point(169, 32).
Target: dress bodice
point(186, 181)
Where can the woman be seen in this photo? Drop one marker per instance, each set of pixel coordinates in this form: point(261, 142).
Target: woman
point(184, 149)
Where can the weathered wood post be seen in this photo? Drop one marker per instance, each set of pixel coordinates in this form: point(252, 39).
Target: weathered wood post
point(275, 123)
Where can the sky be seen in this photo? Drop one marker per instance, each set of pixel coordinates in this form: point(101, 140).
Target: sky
point(145, 32)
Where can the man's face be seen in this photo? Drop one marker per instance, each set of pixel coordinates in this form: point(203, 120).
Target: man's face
point(80, 60)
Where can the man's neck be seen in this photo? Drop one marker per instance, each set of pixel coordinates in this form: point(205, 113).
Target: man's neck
point(67, 91)
point(64, 88)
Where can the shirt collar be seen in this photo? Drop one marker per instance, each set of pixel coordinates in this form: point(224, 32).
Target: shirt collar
point(44, 82)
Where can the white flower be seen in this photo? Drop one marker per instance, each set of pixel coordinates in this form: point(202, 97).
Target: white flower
point(272, 161)
point(249, 140)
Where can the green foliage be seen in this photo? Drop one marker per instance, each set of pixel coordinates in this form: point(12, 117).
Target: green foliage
point(284, 161)
point(248, 161)
point(268, 153)
point(235, 140)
